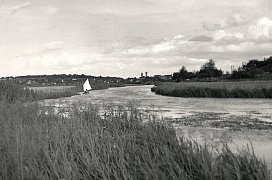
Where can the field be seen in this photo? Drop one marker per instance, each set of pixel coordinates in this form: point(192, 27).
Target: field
point(224, 89)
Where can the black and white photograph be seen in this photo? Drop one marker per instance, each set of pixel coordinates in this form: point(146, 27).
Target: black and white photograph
point(136, 90)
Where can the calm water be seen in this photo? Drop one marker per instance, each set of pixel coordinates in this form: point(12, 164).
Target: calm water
point(172, 107)
point(176, 107)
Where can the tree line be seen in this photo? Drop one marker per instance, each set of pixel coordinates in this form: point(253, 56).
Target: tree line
point(207, 70)
point(252, 69)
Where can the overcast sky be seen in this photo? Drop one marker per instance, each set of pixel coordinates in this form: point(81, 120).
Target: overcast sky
point(126, 37)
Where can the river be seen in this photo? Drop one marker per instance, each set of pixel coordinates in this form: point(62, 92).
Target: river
point(246, 114)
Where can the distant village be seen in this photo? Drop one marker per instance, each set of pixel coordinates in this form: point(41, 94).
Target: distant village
point(75, 79)
point(253, 69)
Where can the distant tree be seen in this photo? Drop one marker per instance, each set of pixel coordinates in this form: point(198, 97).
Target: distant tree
point(240, 73)
point(183, 73)
point(252, 68)
point(249, 70)
point(176, 77)
point(209, 70)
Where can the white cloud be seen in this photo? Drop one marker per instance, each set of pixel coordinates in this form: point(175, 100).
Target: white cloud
point(17, 8)
point(221, 34)
point(179, 36)
point(51, 10)
point(202, 38)
point(81, 63)
point(63, 60)
point(261, 29)
point(53, 45)
point(162, 47)
point(227, 47)
point(234, 20)
point(222, 37)
point(136, 28)
point(44, 48)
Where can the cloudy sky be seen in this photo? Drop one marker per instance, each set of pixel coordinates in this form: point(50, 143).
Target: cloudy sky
point(126, 37)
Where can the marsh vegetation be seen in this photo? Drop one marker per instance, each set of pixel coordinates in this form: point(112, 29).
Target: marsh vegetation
point(223, 89)
point(36, 143)
point(119, 143)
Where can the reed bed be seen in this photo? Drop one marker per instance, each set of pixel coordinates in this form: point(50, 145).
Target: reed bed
point(242, 89)
point(53, 92)
point(36, 143)
point(40, 95)
point(51, 88)
point(11, 92)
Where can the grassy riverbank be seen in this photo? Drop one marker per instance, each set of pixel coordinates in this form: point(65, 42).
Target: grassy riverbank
point(54, 92)
point(11, 92)
point(36, 143)
point(243, 89)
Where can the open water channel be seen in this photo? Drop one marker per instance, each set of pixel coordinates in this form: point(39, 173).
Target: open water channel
point(210, 120)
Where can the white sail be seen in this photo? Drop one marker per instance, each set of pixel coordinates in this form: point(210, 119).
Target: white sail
point(87, 86)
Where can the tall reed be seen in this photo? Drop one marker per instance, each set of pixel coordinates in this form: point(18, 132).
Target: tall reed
point(39, 95)
point(11, 92)
point(262, 89)
point(36, 143)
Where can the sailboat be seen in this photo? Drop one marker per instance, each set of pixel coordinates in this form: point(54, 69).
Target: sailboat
point(87, 87)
